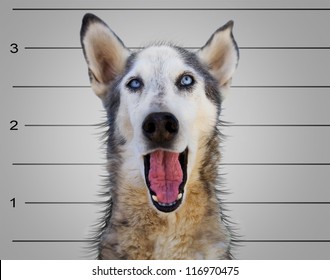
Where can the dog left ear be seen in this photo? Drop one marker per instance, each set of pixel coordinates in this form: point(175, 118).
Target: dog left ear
point(105, 53)
point(221, 55)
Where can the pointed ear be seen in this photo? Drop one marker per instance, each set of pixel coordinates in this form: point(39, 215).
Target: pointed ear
point(104, 52)
point(220, 54)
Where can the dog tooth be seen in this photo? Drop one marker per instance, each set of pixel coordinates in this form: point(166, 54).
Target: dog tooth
point(179, 196)
point(155, 198)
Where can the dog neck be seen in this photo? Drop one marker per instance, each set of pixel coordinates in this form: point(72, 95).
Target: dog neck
point(137, 230)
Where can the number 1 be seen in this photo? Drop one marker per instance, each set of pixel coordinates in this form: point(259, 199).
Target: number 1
point(13, 200)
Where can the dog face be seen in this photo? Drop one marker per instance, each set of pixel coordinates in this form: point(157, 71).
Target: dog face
point(163, 102)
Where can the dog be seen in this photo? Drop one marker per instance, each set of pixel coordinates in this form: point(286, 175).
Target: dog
point(163, 104)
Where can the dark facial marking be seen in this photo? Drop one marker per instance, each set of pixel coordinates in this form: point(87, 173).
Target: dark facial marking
point(211, 84)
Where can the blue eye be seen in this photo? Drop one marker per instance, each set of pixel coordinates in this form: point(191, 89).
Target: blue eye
point(186, 81)
point(135, 84)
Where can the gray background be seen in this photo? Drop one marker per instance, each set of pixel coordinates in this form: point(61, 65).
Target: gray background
point(272, 86)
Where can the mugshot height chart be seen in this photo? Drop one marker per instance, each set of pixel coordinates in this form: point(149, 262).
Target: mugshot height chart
point(276, 155)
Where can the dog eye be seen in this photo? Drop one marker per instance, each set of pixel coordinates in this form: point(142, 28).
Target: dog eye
point(186, 81)
point(134, 84)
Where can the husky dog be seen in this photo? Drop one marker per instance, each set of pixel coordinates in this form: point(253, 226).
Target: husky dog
point(163, 105)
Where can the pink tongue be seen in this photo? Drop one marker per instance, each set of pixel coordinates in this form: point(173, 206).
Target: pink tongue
point(165, 175)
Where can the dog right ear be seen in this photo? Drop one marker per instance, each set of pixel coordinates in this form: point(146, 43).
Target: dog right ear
point(104, 52)
point(220, 54)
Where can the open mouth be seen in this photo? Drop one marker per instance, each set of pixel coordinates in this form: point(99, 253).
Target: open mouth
point(166, 175)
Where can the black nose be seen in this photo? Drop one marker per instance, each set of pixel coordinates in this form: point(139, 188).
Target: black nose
point(160, 127)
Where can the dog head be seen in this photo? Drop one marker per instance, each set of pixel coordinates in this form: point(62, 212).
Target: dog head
point(163, 102)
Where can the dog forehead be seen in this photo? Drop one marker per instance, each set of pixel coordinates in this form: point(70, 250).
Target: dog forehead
point(158, 59)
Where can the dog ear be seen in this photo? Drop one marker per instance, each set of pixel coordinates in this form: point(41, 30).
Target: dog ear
point(104, 52)
point(221, 55)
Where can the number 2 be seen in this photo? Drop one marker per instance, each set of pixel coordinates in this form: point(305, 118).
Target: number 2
point(14, 125)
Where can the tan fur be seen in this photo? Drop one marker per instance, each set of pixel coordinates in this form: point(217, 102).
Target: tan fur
point(104, 63)
point(194, 231)
point(220, 55)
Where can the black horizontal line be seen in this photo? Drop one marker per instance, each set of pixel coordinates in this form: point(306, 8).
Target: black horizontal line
point(42, 86)
point(50, 240)
point(235, 240)
point(230, 163)
point(223, 125)
point(227, 203)
point(241, 48)
point(283, 241)
point(53, 48)
point(284, 48)
point(60, 125)
point(73, 86)
point(279, 202)
point(279, 163)
point(170, 9)
point(56, 163)
point(297, 86)
point(60, 202)
point(276, 125)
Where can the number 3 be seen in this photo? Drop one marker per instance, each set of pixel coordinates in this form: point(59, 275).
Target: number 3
point(14, 48)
